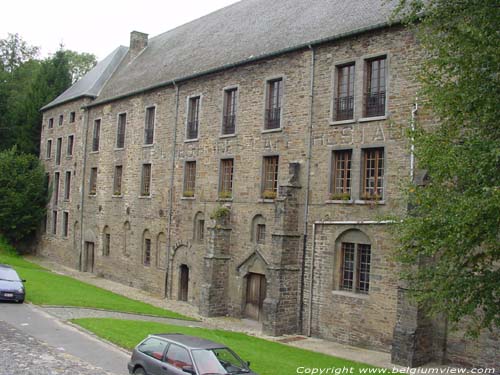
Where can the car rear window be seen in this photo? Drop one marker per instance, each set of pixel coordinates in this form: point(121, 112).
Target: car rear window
point(153, 348)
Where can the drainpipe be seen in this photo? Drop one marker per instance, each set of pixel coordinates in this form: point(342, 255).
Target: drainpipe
point(308, 181)
point(313, 255)
point(168, 284)
point(412, 140)
point(86, 115)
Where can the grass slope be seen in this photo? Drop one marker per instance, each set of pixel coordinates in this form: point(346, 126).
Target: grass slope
point(266, 357)
point(44, 287)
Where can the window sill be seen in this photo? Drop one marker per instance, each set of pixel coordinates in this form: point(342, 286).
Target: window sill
point(188, 198)
point(342, 122)
point(117, 196)
point(369, 202)
point(94, 152)
point(144, 196)
point(191, 140)
point(92, 195)
point(69, 157)
point(339, 201)
point(148, 145)
point(224, 199)
point(119, 148)
point(264, 200)
point(228, 135)
point(375, 118)
point(277, 130)
point(345, 293)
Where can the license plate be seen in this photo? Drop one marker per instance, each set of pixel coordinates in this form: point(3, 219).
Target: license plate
point(8, 294)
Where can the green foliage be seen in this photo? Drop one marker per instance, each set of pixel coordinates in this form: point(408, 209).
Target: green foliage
point(47, 288)
point(23, 194)
point(220, 213)
point(453, 230)
point(14, 52)
point(266, 357)
point(79, 63)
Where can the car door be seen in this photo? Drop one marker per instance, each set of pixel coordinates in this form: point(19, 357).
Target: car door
point(153, 351)
point(176, 358)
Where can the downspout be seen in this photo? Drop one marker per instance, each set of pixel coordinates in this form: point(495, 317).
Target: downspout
point(311, 276)
point(168, 284)
point(412, 139)
point(82, 186)
point(308, 182)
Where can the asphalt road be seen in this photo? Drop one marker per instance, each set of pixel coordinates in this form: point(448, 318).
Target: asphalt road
point(63, 338)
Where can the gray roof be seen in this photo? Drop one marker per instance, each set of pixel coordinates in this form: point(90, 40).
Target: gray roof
point(242, 32)
point(92, 83)
point(192, 342)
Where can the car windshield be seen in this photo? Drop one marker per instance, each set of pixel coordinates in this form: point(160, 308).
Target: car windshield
point(218, 361)
point(8, 274)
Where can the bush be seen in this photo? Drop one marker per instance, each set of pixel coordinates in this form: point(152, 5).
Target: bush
point(23, 194)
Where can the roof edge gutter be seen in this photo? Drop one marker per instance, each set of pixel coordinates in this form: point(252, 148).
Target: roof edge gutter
point(49, 106)
point(249, 60)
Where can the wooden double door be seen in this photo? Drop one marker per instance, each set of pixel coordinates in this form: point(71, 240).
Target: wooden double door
point(256, 293)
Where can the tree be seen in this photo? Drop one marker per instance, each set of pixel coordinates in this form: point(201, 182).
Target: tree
point(454, 227)
point(23, 194)
point(79, 63)
point(14, 51)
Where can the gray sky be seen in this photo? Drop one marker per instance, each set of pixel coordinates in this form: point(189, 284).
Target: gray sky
point(96, 26)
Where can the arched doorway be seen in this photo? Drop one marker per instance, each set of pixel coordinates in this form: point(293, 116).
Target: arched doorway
point(256, 293)
point(184, 283)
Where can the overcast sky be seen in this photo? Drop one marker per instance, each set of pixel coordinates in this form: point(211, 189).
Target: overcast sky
point(96, 26)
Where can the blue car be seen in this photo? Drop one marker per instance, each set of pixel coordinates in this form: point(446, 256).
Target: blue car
point(11, 285)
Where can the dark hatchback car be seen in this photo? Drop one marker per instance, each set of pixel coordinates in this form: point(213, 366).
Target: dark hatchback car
point(11, 285)
point(177, 354)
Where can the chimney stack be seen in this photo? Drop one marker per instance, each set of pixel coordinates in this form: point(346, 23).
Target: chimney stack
point(138, 41)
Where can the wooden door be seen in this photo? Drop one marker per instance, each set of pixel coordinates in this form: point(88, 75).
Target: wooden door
point(184, 283)
point(89, 257)
point(256, 293)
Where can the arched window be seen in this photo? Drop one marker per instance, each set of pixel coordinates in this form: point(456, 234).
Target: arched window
point(161, 251)
point(106, 241)
point(199, 227)
point(146, 248)
point(258, 229)
point(354, 255)
point(126, 236)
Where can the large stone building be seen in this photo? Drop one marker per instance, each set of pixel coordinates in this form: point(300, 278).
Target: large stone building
point(244, 163)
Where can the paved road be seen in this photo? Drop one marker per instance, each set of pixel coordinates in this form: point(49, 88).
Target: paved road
point(44, 328)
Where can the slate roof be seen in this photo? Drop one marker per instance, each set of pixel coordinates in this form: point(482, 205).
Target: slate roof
point(242, 32)
point(92, 83)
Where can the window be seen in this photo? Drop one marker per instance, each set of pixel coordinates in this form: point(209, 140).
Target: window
point(49, 149)
point(373, 174)
point(189, 179)
point(93, 181)
point(199, 227)
point(375, 87)
point(106, 241)
point(344, 93)
point(149, 128)
point(56, 188)
point(65, 224)
point(178, 357)
point(355, 269)
point(58, 151)
point(146, 180)
point(270, 177)
point(229, 119)
point(146, 248)
point(154, 348)
point(226, 178)
point(261, 233)
point(193, 118)
point(51, 123)
point(96, 135)
point(273, 104)
point(120, 131)
point(61, 117)
point(72, 117)
point(69, 150)
point(341, 175)
point(117, 181)
point(54, 222)
point(67, 185)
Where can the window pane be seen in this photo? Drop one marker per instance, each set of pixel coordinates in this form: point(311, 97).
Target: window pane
point(149, 127)
point(375, 87)
point(96, 135)
point(344, 101)
point(347, 269)
point(117, 184)
point(226, 182)
point(189, 178)
point(229, 120)
point(147, 252)
point(273, 104)
point(193, 118)
point(93, 181)
point(364, 259)
point(270, 183)
point(146, 180)
point(67, 185)
point(153, 348)
point(120, 136)
point(178, 357)
point(373, 181)
point(341, 174)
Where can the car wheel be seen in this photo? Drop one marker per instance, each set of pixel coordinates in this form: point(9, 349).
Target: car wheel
point(139, 371)
point(20, 300)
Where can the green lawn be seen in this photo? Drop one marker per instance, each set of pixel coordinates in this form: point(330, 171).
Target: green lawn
point(266, 357)
point(44, 287)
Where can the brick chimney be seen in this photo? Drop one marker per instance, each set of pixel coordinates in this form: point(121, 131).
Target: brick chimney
point(138, 41)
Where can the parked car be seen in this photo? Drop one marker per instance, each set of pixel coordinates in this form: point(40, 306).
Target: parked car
point(11, 285)
point(178, 354)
